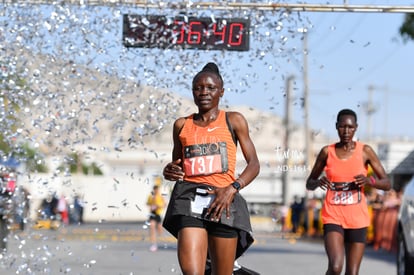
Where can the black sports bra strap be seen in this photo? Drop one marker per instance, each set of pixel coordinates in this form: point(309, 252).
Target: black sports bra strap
point(233, 135)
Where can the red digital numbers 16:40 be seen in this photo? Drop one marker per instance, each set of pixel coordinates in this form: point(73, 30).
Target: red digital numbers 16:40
point(199, 33)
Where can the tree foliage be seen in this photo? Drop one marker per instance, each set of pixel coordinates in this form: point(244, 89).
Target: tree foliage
point(74, 164)
point(34, 161)
point(12, 99)
point(407, 28)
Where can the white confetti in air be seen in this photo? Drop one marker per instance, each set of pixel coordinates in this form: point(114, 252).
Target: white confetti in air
point(72, 93)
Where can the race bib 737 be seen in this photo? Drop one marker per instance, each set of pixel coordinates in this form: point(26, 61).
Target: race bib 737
point(205, 159)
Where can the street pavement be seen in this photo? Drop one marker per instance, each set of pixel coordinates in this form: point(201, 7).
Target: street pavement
point(122, 248)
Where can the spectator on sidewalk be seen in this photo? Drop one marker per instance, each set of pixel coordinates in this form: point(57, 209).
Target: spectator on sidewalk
point(156, 204)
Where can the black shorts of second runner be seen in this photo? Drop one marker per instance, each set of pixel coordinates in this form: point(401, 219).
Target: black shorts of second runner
point(155, 217)
point(351, 235)
point(213, 228)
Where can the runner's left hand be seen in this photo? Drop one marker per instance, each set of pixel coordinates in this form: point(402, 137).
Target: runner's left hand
point(222, 202)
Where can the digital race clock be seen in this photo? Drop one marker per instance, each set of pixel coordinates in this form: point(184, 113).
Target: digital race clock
point(182, 32)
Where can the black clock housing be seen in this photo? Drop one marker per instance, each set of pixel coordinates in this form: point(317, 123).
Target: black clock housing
point(182, 32)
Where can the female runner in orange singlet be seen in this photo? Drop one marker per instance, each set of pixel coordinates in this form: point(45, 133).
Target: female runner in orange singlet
point(206, 212)
point(341, 170)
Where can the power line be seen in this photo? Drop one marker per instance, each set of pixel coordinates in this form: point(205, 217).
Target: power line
point(341, 42)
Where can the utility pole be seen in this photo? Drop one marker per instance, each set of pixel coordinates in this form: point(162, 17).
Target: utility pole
point(308, 142)
point(286, 177)
point(385, 112)
point(370, 109)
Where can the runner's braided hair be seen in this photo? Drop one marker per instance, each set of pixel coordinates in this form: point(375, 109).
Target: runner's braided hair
point(210, 68)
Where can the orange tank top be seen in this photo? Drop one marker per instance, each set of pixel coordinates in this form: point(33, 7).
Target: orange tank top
point(345, 207)
point(209, 153)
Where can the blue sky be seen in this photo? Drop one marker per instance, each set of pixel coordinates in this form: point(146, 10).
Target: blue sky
point(347, 53)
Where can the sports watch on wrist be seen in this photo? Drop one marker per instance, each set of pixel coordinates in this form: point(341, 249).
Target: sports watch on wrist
point(236, 185)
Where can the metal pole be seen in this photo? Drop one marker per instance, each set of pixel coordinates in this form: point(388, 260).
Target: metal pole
point(185, 5)
point(370, 112)
point(386, 113)
point(286, 179)
point(308, 142)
